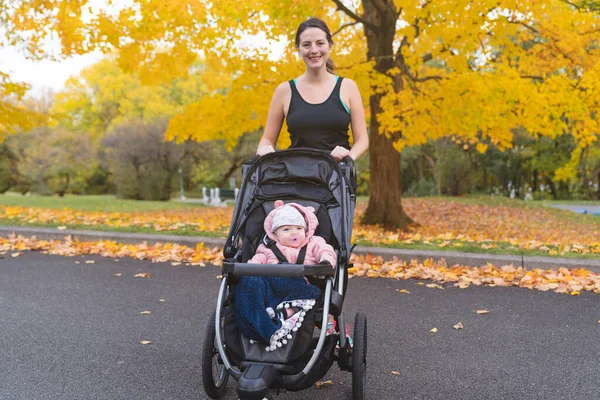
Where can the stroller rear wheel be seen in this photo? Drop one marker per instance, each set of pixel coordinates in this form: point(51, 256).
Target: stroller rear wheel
point(214, 373)
point(359, 357)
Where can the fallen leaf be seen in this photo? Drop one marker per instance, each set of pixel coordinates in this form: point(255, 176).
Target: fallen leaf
point(321, 384)
point(403, 291)
point(146, 342)
point(146, 312)
point(90, 262)
point(61, 228)
point(458, 326)
point(117, 274)
point(142, 275)
point(175, 264)
point(77, 262)
point(483, 311)
point(575, 293)
point(219, 276)
point(420, 283)
point(162, 300)
point(395, 373)
point(15, 254)
point(434, 330)
point(434, 286)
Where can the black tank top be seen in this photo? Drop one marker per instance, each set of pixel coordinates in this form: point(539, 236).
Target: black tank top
point(318, 126)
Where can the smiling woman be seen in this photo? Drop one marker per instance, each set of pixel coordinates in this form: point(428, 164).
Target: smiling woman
point(318, 106)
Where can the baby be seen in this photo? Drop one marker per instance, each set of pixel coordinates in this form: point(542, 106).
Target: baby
point(270, 309)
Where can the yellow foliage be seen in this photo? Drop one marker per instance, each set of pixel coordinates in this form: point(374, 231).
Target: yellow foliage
point(474, 70)
point(14, 114)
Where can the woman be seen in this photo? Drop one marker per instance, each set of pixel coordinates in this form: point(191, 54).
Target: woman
point(318, 106)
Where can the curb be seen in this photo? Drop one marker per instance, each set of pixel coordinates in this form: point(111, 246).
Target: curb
point(451, 257)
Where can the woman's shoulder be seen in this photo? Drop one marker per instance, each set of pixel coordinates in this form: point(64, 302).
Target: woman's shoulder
point(347, 82)
point(283, 89)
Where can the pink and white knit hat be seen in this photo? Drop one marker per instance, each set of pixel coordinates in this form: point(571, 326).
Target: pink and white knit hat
point(287, 215)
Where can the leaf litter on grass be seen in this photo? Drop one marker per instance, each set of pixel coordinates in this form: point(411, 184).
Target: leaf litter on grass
point(562, 280)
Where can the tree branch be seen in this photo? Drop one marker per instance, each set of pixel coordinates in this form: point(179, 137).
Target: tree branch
point(354, 16)
point(537, 78)
point(344, 26)
point(381, 7)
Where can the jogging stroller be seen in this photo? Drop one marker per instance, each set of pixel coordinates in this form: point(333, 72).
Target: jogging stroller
point(310, 178)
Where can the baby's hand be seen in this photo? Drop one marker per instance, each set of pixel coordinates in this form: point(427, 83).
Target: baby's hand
point(265, 150)
point(327, 258)
point(339, 153)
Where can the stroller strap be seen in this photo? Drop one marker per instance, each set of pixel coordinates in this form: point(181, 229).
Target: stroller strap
point(272, 245)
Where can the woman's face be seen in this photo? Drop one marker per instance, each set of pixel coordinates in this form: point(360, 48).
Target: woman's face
point(314, 48)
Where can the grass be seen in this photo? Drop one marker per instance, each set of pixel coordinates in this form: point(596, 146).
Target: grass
point(104, 203)
point(105, 228)
point(112, 204)
point(504, 248)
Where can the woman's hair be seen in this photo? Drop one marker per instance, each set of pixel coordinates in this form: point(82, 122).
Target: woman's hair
point(316, 23)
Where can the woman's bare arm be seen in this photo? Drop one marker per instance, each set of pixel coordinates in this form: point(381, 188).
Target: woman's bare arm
point(357, 121)
point(274, 120)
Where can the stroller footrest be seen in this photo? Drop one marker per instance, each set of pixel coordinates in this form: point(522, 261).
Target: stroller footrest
point(256, 380)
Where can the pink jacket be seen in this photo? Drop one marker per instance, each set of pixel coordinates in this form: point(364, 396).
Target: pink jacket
point(316, 250)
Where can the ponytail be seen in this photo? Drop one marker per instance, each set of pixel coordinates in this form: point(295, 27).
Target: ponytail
point(329, 65)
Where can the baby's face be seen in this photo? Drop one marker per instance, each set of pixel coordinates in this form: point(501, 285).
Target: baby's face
point(290, 235)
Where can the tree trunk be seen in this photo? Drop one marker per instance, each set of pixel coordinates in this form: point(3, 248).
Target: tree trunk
point(385, 207)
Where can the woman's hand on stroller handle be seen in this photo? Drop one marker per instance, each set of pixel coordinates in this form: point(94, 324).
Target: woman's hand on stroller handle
point(339, 153)
point(265, 150)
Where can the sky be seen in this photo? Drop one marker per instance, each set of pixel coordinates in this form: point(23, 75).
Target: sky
point(43, 74)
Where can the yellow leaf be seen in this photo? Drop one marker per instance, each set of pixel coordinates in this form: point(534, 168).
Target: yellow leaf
point(162, 300)
point(434, 286)
point(403, 291)
point(575, 293)
point(175, 264)
point(434, 330)
point(61, 228)
point(321, 384)
point(15, 254)
point(483, 311)
point(146, 342)
point(146, 312)
point(90, 262)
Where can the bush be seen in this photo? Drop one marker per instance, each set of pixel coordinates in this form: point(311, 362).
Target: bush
point(421, 189)
point(453, 169)
point(142, 163)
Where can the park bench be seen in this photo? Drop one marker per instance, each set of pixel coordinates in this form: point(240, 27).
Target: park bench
point(227, 194)
point(217, 196)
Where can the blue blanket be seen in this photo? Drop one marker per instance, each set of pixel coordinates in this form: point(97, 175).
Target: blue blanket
point(254, 294)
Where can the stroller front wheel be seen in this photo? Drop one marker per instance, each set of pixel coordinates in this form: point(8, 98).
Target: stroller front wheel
point(214, 373)
point(359, 357)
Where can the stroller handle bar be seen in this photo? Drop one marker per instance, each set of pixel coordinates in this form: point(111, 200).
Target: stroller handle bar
point(282, 270)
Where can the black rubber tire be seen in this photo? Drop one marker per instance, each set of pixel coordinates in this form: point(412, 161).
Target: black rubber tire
point(214, 386)
point(359, 357)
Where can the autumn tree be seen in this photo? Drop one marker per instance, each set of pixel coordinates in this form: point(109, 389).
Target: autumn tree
point(427, 69)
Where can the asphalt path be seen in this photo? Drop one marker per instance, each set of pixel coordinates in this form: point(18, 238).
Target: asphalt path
point(73, 331)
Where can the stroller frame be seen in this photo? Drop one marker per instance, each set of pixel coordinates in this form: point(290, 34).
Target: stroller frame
point(255, 379)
